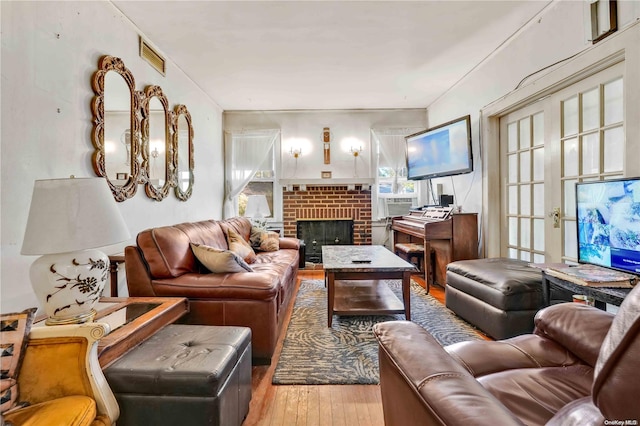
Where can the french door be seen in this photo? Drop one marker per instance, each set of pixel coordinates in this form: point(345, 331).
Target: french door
point(574, 135)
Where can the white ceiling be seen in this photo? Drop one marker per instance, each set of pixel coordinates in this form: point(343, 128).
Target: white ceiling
point(278, 55)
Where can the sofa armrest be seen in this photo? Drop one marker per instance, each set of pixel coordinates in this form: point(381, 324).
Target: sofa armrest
point(421, 384)
point(62, 361)
point(579, 328)
point(481, 357)
point(138, 274)
point(289, 243)
point(297, 244)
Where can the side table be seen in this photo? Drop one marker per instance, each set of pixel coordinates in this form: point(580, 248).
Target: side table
point(601, 295)
point(115, 261)
point(132, 321)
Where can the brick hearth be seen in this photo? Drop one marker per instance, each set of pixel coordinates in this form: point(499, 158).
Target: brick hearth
point(329, 202)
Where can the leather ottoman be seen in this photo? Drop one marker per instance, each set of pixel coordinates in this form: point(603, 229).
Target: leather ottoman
point(185, 375)
point(499, 296)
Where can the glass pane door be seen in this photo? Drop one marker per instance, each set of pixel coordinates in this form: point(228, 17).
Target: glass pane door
point(523, 147)
point(592, 139)
point(573, 135)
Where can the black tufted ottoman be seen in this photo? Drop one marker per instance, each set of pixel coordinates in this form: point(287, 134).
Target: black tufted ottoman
point(185, 375)
point(499, 296)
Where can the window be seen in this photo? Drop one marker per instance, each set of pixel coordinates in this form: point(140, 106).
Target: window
point(262, 183)
point(249, 168)
point(391, 179)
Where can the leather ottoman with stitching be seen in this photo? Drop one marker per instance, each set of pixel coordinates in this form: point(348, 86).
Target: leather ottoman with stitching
point(500, 296)
point(185, 375)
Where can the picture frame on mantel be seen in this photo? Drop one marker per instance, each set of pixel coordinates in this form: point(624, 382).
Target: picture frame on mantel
point(604, 21)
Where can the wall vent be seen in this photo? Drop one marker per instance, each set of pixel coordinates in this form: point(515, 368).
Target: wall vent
point(149, 54)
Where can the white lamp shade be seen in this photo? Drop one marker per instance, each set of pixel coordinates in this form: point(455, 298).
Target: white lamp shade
point(257, 206)
point(72, 214)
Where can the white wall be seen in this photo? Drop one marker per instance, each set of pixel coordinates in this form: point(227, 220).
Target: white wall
point(49, 53)
point(558, 33)
point(304, 129)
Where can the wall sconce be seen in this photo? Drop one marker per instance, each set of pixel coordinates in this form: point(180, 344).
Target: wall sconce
point(355, 152)
point(295, 153)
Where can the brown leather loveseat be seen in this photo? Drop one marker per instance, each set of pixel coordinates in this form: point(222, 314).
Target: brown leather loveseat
point(163, 264)
point(580, 366)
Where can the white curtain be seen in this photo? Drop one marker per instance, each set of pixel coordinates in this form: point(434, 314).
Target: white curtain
point(245, 151)
point(391, 148)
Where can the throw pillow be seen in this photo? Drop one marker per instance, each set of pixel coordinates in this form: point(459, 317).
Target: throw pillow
point(270, 241)
point(219, 261)
point(256, 235)
point(240, 246)
point(264, 240)
point(14, 332)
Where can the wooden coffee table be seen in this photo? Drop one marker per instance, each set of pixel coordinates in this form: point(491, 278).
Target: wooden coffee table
point(353, 277)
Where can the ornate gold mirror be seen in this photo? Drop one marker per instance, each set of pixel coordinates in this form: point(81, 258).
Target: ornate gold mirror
point(157, 148)
point(183, 157)
point(115, 133)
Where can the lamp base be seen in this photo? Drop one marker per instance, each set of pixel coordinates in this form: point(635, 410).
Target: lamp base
point(78, 319)
point(69, 285)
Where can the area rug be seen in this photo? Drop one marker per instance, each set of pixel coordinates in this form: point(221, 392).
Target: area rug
point(347, 353)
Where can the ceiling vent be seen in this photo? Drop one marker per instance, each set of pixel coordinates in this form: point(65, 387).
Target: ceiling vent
point(149, 54)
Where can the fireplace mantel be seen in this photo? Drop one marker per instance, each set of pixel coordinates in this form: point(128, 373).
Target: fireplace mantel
point(327, 182)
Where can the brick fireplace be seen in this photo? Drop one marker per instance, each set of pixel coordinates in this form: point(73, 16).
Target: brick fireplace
point(325, 202)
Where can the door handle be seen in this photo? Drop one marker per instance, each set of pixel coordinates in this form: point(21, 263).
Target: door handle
point(555, 215)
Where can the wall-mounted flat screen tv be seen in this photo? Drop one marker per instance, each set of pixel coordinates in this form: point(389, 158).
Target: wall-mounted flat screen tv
point(444, 150)
point(608, 220)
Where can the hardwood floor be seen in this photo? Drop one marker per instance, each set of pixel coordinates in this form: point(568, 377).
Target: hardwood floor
point(297, 405)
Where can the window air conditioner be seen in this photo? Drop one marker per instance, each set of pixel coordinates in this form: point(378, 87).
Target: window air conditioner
point(397, 206)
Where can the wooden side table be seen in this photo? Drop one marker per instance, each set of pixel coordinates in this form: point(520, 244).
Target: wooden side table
point(132, 321)
point(115, 261)
point(601, 295)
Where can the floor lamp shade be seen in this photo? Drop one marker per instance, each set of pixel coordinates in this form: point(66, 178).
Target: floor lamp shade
point(68, 219)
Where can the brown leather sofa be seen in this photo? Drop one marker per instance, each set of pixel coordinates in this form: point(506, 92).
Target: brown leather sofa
point(163, 264)
point(580, 366)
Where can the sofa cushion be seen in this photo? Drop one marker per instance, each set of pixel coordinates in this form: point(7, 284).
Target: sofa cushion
point(240, 224)
point(240, 246)
point(219, 261)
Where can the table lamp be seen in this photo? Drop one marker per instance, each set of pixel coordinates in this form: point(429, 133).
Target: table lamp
point(68, 219)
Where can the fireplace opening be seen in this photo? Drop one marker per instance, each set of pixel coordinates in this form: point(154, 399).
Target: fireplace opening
point(318, 233)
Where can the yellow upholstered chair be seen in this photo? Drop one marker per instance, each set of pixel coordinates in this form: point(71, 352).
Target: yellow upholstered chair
point(62, 380)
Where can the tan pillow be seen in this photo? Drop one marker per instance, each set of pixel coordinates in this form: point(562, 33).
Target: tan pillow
point(240, 246)
point(14, 332)
point(270, 241)
point(219, 261)
point(256, 235)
